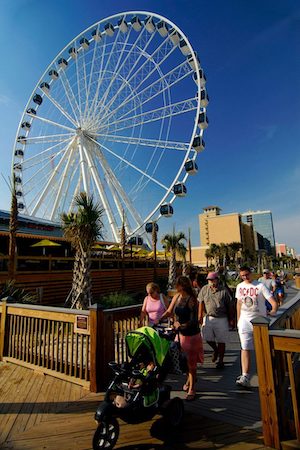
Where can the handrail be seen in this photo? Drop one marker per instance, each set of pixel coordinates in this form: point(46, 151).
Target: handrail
point(277, 347)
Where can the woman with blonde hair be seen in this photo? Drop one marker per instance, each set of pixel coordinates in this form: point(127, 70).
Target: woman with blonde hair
point(184, 306)
point(155, 304)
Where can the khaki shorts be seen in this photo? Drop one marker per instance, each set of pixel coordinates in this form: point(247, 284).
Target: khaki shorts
point(215, 329)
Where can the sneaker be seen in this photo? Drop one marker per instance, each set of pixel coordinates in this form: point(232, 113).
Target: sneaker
point(243, 381)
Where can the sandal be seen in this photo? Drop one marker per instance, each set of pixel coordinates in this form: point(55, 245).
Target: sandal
point(185, 387)
point(190, 397)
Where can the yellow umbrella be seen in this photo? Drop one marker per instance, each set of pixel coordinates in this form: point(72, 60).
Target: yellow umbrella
point(45, 243)
point(99, 247)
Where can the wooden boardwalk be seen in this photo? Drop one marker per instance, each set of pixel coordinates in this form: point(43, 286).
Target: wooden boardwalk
point(41, 412)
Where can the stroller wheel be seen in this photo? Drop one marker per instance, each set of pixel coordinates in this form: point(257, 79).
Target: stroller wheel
point(106, 434)
point(173, 411)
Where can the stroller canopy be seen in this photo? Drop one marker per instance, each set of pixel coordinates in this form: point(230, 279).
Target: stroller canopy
point(148, 337)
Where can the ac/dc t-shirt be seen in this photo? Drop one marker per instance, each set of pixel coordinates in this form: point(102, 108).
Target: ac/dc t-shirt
point(252, 298)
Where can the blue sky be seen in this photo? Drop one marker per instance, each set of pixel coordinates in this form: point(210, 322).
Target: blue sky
point(250, 53)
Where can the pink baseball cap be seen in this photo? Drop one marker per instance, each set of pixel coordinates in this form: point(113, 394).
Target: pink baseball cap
point(212, 275)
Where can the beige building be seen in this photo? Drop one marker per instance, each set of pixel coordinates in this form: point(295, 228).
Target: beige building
point(216, 228)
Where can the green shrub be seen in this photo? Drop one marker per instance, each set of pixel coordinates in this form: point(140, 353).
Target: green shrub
point(15, 294)
point(116, 300)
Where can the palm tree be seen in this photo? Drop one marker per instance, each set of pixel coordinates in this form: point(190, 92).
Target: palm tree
point(82, 228)
point(209, 256)
point(235, 247)
point(223, 253)
point(123, 248)
point(182, 251)
point(171, 244)
point(13, 225)
point(154, 242)
point(215, 251)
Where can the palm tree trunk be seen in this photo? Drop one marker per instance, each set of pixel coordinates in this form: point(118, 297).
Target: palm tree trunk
point(184, 268)
point(154, 242)
point(13, 225)
point(172, 270)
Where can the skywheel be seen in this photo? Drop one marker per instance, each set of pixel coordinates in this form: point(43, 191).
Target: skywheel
point(119, 113)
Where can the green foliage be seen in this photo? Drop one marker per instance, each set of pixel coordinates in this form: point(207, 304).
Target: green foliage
point(116, 300)
point(163, 284)
point(15, 294)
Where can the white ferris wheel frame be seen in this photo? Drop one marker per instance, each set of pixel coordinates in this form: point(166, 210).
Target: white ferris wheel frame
point(85, 156)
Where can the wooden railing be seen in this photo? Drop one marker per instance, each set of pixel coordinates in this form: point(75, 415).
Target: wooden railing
point(277, 348)
point(108, 343)
point(68, 344)
point(47, 339)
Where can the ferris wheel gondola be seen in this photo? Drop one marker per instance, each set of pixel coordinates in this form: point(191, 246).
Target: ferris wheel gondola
point(115, 114)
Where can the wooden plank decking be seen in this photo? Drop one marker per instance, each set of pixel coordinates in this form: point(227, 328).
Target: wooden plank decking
point(41, 412)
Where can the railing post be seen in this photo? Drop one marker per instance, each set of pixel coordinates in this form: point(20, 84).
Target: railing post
point(2, 328)
point(102, 347)
point(267, 394)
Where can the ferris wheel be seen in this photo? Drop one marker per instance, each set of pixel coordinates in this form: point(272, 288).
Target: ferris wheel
point(119, 113)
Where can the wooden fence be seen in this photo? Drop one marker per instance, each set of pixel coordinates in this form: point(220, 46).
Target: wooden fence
point(277, 348)
point(51, 278)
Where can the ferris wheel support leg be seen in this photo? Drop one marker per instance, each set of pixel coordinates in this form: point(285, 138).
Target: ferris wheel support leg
point(61, 184)
point(104, 199)
point(83, 166)
point(48, 185)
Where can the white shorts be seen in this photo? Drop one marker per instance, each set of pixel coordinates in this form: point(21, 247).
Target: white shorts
point(215, 329)
point(247, 342)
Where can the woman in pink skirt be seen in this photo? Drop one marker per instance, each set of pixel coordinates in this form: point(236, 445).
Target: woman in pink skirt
point(184, 306)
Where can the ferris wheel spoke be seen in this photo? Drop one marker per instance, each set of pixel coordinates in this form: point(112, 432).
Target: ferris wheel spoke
point(61, 109)
point(43, 154)
point(84, 90)
point(116, 70)
point(166, 81)
point(164, 144)
point(46, 163)
point(78, 87)
point(117, 186)
point(105, 70)
point(174, 109)
point(47, 187)
point(128, 163)
point(101, 192)
point(51, 122)
point(96, 46)
point(62, 182)
point(130, 57)
point(70, 95)
point(162, 52)
point(95, 98)
point(151, 64)
point(48, 139)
